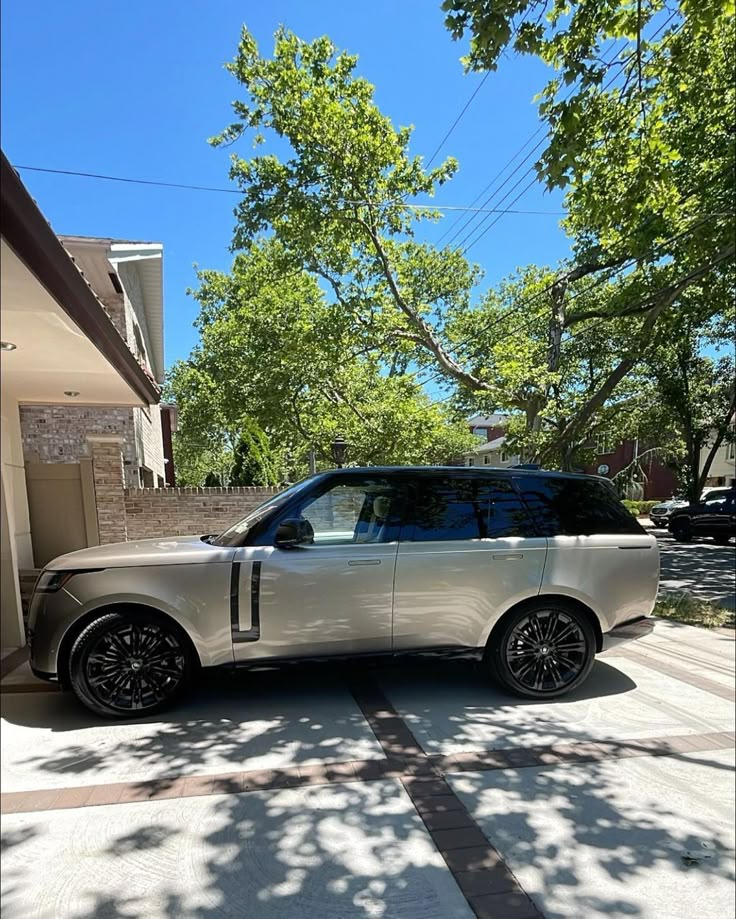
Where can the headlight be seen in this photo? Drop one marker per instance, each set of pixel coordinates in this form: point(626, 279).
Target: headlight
point(51, 581)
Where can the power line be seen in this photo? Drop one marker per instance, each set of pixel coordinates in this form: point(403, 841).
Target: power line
point(235, 191)
point(456, 122)
point(467, 104)
point(610, 63)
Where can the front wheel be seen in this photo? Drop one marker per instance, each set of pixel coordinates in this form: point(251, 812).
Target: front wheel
point(681, 530)
point(542, 650)
point(130, 663)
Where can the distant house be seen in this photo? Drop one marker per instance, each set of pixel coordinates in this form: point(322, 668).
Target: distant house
point(611, 458)
point(491, 449)
point(723, 469)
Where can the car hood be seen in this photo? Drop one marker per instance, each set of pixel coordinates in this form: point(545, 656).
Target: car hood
point(668, 505)
point(171, 550)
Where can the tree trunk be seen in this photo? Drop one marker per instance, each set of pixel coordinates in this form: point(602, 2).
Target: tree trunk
point(701, 476)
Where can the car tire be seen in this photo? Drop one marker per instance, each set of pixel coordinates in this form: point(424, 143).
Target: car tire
point(681, 530)
point(129, 664)
point(721, 540)
point(541, 650)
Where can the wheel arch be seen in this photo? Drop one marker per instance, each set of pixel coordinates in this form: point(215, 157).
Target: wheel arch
point(539, 600)
point(80, 624)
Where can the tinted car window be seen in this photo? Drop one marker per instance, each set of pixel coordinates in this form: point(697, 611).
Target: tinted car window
point(353, 512)
point(575, 507)
point(715, 498)
point(451, 508)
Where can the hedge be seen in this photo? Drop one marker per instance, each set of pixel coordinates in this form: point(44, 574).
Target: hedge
point(641, 508)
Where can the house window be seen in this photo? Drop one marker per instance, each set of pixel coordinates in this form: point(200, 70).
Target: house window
point(731, 450)
point(486, 460)
point(504, 456)
point(603, 443)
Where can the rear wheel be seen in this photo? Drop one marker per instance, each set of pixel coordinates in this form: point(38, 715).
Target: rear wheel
point(722, 539)
point(681, 530)
point(128, 664)
point(542, 650)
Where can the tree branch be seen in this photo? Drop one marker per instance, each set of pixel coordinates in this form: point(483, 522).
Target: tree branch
point(662, 300)
point(425, 335)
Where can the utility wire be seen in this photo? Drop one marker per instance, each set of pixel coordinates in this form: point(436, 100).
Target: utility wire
point(611, 63)
point(235, 191)
point(456, 122)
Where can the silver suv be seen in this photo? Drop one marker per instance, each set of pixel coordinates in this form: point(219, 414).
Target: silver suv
point(536, 570)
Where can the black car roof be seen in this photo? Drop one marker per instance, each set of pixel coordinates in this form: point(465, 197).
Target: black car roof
point(464, 470)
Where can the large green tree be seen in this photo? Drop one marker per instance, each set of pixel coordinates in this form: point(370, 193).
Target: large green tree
point(275, 349)
point(640, 107)
point(695, 387)
point(336, 193)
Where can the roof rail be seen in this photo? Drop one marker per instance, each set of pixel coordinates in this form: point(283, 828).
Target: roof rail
point(527, 466)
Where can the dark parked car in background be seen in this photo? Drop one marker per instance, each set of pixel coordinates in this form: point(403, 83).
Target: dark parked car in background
point(714, 515)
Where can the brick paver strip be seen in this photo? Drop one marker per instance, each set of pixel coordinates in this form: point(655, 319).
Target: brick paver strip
point(29, 687)
point(679, 673)
point(464, 847)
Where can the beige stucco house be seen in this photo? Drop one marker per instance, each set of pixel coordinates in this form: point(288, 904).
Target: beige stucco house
point(63, 353)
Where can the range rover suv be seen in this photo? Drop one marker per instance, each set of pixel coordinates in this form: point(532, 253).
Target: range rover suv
point(535, 570)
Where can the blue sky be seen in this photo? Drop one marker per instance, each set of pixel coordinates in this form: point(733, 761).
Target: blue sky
point(135, 89)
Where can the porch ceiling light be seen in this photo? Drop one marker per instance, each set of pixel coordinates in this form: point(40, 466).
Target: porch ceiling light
point(70, 392)
point(7, 346)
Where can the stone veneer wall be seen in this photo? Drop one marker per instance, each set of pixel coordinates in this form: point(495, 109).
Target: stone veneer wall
point(154, 512)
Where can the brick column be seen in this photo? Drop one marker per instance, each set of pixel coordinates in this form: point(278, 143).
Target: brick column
point(109, 481)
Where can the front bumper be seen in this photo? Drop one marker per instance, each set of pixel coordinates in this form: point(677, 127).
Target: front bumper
point(627, 631)
point(660, 521)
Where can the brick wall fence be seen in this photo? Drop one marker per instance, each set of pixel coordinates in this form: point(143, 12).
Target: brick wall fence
point(152, 512)
point(143, 513)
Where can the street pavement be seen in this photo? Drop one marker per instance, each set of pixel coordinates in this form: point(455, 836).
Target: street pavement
point(701, 567)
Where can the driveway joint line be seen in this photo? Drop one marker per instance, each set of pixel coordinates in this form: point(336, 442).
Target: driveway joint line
point(680, 673)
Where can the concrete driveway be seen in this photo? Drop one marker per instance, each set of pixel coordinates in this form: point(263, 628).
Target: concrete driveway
point(408, 791)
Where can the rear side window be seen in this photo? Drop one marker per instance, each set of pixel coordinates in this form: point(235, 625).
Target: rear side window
point(450, 508)
point(575, 507)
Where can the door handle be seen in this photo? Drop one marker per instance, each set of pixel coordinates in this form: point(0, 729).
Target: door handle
point(509, 556)
point(364, 561)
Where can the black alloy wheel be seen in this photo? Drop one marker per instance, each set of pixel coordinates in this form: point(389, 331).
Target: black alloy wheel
point(129, 664)
point(681, 529)
point(543, 651)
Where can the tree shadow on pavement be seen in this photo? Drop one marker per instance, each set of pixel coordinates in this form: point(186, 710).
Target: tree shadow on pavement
point(354, 849)
point(704, 569)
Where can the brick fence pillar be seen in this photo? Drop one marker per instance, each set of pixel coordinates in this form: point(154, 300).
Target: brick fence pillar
point(109, 480)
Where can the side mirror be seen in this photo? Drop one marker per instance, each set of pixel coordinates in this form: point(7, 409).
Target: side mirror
point(293, 532)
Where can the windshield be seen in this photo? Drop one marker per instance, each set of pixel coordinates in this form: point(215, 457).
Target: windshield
point(235, 534)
